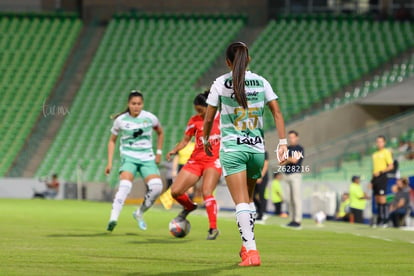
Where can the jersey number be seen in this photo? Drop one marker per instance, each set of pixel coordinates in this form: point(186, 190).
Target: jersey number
point(241, 123)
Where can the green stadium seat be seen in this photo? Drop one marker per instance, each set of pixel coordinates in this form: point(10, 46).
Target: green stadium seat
point(34, 49)
point(162, 55)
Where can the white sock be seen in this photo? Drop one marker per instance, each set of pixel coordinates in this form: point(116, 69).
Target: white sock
point(245, 222)
point(253, 209)
point(154, 189)
point(120, 196)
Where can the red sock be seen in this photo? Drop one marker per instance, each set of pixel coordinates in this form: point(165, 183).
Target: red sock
point(185, 201)
point(211, 208)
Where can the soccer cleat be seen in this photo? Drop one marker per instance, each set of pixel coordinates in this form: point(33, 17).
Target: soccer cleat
point(140, 220)
point(212, 234)
point(111, 225)
point(184, 213)
point(252, 259)
point(243, 253)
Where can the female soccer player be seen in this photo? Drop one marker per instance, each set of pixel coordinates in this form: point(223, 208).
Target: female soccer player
point(135, 127)
point(199, 165)
point(241, 96)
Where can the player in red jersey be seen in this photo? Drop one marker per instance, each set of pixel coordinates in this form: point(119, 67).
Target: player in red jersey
point(199, 165)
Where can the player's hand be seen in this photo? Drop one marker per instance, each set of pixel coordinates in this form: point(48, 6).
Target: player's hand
point(376, 174)
point(108, 169)
point(169, 154)
point(208, 149)
point(259, 180)
point(157, 159)
point(282, 154)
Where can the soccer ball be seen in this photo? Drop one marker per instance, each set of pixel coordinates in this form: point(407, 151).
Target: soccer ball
point(179, 228)
point(320, 217)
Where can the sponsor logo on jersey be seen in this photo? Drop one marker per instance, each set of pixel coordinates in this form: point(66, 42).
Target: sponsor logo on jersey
point(228, 83)
point(247, 140)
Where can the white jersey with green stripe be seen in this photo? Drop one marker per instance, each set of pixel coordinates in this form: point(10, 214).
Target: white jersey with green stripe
point(136, 135)
point(241, 129)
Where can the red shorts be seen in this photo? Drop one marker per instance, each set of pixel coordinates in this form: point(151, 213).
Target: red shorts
point(198, 167)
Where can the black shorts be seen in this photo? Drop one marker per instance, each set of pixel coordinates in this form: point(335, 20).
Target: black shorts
point(379, 184)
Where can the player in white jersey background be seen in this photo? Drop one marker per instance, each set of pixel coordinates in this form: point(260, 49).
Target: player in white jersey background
point(241, 96)
point(134, 126)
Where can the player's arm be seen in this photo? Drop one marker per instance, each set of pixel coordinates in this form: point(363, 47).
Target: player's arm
point(207, 126)
point(160, 140)
point(280, 126)
point(111, 150)
point(186, 139)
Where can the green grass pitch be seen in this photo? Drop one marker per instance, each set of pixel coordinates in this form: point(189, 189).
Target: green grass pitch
point(46, 237)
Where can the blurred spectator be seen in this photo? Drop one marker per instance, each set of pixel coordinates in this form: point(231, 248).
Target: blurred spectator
point(259, 190)
point(357, 200)
point(382, 164)
point(274, 193)
point(403, 150)
point(343, 211)
point(401, 203)
point(52, 186)
point(402, 13)
point(293, 178)
point(410, 150)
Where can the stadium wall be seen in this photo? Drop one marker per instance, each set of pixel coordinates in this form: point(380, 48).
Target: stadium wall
point(317, 195)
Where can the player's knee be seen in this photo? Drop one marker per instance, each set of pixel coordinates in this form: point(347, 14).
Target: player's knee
point(176, 191)
point(125, 186)
point(155, 184)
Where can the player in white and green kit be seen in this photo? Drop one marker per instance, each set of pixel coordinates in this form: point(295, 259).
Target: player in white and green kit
point(240, 96)
point(135, 127)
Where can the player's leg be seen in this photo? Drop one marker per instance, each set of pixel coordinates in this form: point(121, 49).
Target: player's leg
point(186, 178)
point(125, 184)
point(380, 185)
point(238, 187)
point(296, 179)
point(241, 186)
point(278, 208)
point(151, 175)
point(291, 199)
point(211, 176)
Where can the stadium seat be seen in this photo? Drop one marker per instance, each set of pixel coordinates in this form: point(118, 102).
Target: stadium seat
point(34, 50)
point(310, 58)
point(161, 55)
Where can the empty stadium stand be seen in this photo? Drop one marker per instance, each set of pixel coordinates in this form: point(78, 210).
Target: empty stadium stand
point(307, 59)
point(161, 55)
point(34, 48)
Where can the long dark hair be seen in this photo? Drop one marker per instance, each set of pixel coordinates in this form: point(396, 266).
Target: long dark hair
point(134, 93)
point(238, 54)
point(201, 98)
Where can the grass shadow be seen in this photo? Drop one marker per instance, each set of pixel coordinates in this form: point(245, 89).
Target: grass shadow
point(143, 239)
point(76, 235)
point(208, 271)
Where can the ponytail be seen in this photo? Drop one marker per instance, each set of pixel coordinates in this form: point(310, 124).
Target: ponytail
point(201, 98)
point(238, 54)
